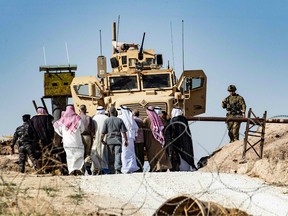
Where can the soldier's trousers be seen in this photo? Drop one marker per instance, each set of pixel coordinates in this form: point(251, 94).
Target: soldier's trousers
point(233, 130)
point(24, 151)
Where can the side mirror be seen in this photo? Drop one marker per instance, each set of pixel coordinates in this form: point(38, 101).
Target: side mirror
point(114, 62)
point(159, 59)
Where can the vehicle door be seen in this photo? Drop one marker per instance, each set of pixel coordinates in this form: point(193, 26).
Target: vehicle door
point(192, 84)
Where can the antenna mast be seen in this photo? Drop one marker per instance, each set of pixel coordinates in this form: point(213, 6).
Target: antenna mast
point(183, 44)
point(118, 27)
point(172, 45)
point(44, 53)
point(67, 53)
point(100, 43)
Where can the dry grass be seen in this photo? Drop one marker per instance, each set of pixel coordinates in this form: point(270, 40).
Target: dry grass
point(29, 194)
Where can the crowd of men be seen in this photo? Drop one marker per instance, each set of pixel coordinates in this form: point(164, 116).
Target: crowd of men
point(110, 142)
point(114, 141)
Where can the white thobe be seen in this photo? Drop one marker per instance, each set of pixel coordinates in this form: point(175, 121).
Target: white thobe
point(99, 152)
point(184, 166)
point(128, 156)
point(73, 146)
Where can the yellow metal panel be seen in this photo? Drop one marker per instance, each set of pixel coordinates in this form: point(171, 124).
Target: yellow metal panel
point(58, 84)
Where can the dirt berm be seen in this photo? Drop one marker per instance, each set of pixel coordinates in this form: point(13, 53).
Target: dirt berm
point(255, 186)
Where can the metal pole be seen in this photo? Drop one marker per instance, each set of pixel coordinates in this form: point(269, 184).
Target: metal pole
point(224, 119)
point(246, 134)
point(263, 135)
point(261, 122)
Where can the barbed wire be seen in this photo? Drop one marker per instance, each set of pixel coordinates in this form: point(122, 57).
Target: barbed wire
point(148, 187)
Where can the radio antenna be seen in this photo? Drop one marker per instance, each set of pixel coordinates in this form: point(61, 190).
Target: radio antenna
point(172, 45)
point(67, 53)
point(118, 27)
point(100, 43)
point(183, 44)
point(44, 53)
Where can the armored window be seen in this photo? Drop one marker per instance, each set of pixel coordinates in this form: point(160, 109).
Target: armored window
point(132, 62)
point(123, 83)
point(192, 83)
point(90, 90)
point(124, 60)
point(149, 61)
point(82, 89)
point(156, 81)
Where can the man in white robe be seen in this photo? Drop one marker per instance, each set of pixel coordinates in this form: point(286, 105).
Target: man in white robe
point(99, 151)
point(128, 156)
point(70, 127)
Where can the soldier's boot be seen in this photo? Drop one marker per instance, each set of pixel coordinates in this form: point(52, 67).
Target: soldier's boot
point(236, 136)
point(21, 168)
point(231, 137)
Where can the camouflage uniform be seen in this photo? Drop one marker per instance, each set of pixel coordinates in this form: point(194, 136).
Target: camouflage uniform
point(236, 107)
point(24, 136)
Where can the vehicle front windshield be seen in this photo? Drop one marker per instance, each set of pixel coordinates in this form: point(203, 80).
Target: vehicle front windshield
point(123, 83)
point(156, 81)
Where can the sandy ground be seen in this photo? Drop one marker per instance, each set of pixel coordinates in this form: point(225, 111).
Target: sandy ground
point(136, 194)
point(272, 168)
point(255, 186)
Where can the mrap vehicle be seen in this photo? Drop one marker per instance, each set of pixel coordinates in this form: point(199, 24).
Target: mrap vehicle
point(137, 80)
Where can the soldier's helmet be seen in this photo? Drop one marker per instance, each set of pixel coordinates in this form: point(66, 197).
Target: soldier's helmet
point(231, 88)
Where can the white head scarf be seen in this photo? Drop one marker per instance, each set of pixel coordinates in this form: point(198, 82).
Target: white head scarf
point(126, 115)
point(176, 112)
point(100, 110)
point(158, 110)
point(119, 111)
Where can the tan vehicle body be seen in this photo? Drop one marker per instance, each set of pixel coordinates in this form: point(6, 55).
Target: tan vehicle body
point(137, 81)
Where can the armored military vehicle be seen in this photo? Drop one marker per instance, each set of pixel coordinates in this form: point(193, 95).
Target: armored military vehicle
point(137, 80)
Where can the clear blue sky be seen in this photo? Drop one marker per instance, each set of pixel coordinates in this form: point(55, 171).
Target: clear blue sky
point(235, 42)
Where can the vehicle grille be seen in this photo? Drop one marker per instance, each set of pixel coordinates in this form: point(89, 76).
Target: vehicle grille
point(142, 109)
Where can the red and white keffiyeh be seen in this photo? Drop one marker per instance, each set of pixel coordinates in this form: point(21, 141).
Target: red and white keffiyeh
point(41, 111)
point(69, 119)
point(156, 125)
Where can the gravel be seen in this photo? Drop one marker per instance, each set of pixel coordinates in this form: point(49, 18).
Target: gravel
point(144, 193)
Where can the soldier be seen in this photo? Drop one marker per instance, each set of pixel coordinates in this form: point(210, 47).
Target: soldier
point(236, 107)
point(25, 136)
